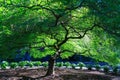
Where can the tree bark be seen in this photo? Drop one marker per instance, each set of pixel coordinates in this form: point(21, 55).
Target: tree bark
point(51, 66)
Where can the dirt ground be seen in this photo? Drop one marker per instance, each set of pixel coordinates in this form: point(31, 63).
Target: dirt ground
point(60, 74)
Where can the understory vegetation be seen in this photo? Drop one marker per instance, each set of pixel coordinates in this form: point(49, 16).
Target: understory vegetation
point(67, 65)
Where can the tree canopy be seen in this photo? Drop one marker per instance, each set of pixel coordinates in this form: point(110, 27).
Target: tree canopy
point(62, 27)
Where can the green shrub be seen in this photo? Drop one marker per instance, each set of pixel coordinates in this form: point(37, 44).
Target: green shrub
point(23, 63)
point(115, 70)
point(89, 67)
point(106, 69)
point(67, 64)
point(97, 67)
point(13, 65)
point(30, 64)
point(45, 64)
point(37, 63)
point(59, 64)
point(74, 65)
point(5, 62)
point(80, 64)
point(4, 65)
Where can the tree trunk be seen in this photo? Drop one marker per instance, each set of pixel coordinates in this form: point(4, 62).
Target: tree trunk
point(51, 66)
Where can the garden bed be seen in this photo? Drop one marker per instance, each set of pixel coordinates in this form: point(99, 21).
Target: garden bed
point(61, 74)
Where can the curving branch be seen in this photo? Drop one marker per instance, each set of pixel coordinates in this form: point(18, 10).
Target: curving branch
point(84, 33)
point(66, 35)
point(67, 31)
point(74, 30)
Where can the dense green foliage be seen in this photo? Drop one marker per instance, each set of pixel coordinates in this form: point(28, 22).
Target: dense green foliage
point(88, 27)
point(13, 65)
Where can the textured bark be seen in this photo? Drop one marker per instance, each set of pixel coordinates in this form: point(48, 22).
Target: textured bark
point(51, 66)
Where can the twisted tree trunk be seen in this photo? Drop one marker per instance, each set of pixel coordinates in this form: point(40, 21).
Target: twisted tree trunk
point(51, 66)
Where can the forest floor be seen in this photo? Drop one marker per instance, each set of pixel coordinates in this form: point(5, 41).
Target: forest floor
point(60, 74)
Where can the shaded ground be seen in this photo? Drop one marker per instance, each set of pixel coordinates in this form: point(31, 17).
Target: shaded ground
point(61, 74)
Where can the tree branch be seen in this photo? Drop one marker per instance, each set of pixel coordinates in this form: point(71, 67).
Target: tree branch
point(74, 30)
point(66, 35)
point(67, 31)
point(85, 32)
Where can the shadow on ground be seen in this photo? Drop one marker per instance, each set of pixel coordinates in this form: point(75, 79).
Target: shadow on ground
point(61, 74)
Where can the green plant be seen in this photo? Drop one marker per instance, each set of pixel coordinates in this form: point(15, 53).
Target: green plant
point(80, 64)
point(67, 64)
point(61, 64)
point(22, 63)
point(89, 67)
point(73, 65)
point(13, 65)
point(58, 64)
point(97, 67)
point(37, 63)
point(106, 69)
point(30, 64)
point(115, 70)
point(4, 65)
point(45, 64)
